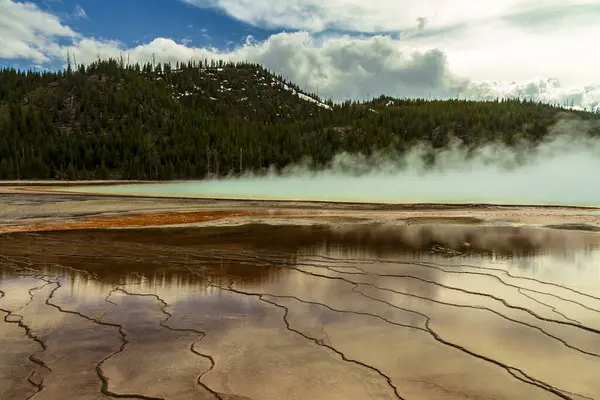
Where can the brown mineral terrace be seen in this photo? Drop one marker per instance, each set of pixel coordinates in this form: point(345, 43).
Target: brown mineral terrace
point(109, 297)
point(34, 208)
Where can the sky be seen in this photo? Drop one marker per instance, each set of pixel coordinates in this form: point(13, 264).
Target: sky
point(544, 50)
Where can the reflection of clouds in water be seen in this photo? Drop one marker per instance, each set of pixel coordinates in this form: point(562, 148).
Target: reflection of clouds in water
point(576, 268)
point(259, 265)
point(361, 257)
point(242, 330)
point(526, 248)
point(415, 294)
point(348, 258)
point(185, 295)
point(220, 310)
point(15, 289)
point(420, 240)
point(190, 293)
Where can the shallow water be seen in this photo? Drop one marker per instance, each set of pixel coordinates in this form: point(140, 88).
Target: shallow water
point(521, 187)
point(319, 312)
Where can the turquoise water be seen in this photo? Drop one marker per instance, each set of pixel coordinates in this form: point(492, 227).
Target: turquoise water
point(565, 170)
point(561, 172)
point(523, 186)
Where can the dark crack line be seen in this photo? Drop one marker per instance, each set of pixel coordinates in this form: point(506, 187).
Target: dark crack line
point(526, 278)
point(89, 274)
point(28, 333)
point(488, 295)
point(14, 265)
point(532, 381)
point(441, 268)
point(32, 357)
point(290, 297)
point(163, 323)
point(37, 385)
point(576, 325)
point(316, 341)
point(341, 354)
point(327, 259)
point(436, 266)
point(510, 369)
point(36, 273)
point(519, 288)
point(537, 328)
point(548, 305)
point(103, 378)
point(212, 366)
point(107, 298)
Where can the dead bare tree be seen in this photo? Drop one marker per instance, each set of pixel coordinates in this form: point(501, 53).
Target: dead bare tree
point(70, 99)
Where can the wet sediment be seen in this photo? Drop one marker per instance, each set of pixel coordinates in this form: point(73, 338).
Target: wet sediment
point(265, 311)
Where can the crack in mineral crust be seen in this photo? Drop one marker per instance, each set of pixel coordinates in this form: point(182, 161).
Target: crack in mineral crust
point(266, 297)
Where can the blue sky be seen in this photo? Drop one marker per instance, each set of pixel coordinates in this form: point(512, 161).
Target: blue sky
point(542, 49)
point(139, 21)
point(142, 20)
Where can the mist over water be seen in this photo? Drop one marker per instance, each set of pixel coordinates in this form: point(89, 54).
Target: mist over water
point(563, 170)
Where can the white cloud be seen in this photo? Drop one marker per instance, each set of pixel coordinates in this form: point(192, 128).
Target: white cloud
point(80, 12)
point(351, 68)
point(462, 63)
point(549, 90)
point(487, 40)
point(341, 67)
point(380, 15)
point(26, 31)
point(500, 51)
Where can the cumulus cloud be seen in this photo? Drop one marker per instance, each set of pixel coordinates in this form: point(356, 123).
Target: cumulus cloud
point(28, 32)
point(382, 15)
point(549, 90)
point(501, 51)
point(488, 40)
point(338, 66)
point(352, 68)
point(341, 67)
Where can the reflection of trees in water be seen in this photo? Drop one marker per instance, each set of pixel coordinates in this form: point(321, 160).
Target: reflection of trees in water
point(335, 255)
point(414, 240)
point(254, 254)
point(378, 238)
point(260, 258)
point(566, 262)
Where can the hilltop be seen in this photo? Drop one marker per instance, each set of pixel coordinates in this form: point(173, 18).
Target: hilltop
point(191, 120)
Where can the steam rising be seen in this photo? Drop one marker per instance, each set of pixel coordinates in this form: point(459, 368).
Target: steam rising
point(565, 169)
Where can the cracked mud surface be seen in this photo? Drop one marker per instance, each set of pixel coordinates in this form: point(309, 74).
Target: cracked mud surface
point(463, 310)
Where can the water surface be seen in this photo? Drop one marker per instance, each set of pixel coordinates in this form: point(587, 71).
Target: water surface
point(270, 312)
point(520, 187)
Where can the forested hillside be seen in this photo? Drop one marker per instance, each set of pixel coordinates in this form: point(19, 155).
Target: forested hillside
point(109, 120)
